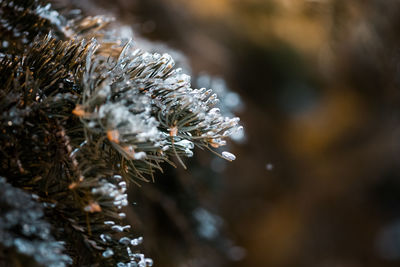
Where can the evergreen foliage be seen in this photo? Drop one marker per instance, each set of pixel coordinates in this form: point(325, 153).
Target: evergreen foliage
point(84, 113)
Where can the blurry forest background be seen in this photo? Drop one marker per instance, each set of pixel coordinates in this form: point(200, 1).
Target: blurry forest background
point(317, 178)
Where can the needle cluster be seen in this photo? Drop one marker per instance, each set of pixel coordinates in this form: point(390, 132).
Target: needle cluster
point(82, 114)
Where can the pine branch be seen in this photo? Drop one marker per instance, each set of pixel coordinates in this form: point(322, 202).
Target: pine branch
point(81, 119)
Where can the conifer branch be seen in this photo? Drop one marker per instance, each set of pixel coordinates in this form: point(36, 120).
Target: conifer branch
point(84, 112)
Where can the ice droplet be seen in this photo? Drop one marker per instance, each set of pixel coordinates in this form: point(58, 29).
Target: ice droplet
point(108, 253)
point(189, 153)
point(229, 156)
point(124, 240)
point(186, 144)
point(117, 177)
point(105, 238)
point(149, 262)
point(137, 241)
point(140, 155)
point(117, 228)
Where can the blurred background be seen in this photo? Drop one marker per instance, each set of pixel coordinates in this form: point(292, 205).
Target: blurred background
point(316, 181)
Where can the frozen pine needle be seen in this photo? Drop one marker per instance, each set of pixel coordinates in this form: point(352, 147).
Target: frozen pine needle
point(85, 112)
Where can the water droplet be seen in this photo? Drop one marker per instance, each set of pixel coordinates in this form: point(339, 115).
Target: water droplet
point(214, 111)
point(136, 241)
point(117, 228)
point(149, 262)
point(117, 177)
point(105, 238)
point(229, 156)
point(108, 253)
point(140, 155)
point(186, 144)
point(125, 241)
point(189, 153)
